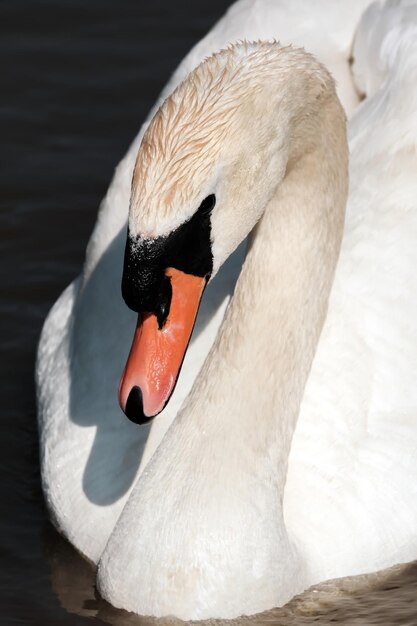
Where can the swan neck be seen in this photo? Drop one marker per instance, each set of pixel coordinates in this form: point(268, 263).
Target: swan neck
point(255, 374)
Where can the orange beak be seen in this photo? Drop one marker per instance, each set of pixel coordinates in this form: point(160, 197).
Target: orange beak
point(156, 355)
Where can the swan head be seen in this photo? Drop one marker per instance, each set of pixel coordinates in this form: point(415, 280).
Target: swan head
point(209, 163)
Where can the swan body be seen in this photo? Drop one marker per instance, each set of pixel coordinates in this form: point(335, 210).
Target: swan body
point(351, 460)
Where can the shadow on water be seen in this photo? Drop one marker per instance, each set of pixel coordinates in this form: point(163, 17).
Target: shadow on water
point(101, 335)
point(387, 598)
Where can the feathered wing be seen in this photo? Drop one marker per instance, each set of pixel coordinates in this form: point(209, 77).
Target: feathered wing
point(351, 495)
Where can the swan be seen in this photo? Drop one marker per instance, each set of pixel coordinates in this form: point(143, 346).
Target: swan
point(348, 461)
point(259, 128)
point(90, 459)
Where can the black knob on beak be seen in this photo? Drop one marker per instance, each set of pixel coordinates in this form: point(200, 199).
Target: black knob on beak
point(145, 287)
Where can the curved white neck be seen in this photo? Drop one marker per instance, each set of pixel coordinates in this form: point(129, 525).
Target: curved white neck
point(248, 393)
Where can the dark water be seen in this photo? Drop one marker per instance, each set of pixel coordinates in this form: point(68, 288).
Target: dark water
point(77, 80)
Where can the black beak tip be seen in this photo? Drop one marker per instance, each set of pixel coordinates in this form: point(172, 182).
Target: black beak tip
point(134, 407)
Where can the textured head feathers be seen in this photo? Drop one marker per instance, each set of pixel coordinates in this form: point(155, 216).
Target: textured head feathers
point(180, 155)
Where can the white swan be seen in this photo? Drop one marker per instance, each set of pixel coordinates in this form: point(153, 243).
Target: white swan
point(90, 458)
point(260, 127)
point(359, 441)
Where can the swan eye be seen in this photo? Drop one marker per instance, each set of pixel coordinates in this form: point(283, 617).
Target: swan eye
point(207, 205)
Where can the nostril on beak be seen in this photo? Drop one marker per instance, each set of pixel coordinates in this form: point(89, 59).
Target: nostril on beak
point(164, 305)
point(134, 407)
